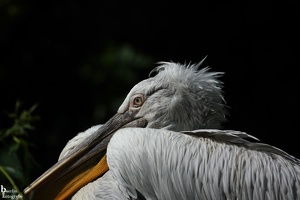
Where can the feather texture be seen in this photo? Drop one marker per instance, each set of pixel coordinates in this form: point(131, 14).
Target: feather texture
point(162, 164)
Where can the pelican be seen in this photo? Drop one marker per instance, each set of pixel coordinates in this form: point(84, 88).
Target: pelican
point(165, 142)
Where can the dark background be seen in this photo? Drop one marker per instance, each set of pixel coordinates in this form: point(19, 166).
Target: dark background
point(78, 61)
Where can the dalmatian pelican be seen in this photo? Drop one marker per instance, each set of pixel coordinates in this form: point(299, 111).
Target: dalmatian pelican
point(164, 143)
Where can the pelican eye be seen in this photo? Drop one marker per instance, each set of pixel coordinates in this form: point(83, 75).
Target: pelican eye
point(137, 100)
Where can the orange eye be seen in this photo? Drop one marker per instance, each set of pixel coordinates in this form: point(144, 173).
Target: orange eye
point(137, 100)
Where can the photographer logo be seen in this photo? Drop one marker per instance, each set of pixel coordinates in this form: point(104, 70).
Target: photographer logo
point(9, 194)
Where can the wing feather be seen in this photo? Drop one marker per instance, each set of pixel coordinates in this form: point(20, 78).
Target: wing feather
point(200, 165)
point(241, 139)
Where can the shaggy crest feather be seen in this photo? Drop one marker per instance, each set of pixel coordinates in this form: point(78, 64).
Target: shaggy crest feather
point(201, 87)
point(189, 75)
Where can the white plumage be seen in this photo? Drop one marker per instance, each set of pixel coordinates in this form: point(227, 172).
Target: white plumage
point(210, 164)
point(176, 154)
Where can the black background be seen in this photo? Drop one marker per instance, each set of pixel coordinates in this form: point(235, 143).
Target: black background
point(50, 56)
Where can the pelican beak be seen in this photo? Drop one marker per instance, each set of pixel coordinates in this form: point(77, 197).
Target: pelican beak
point(84, 164)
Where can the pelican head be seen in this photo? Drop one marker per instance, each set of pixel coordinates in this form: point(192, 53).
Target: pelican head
point(179, 98)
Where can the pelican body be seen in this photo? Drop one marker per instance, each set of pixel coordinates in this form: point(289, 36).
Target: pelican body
point(164, 143)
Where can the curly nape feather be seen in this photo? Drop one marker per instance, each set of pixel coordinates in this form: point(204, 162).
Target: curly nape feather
point(197, 90)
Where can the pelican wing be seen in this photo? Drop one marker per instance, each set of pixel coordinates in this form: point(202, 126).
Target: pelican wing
point(241, 139)
point(162, 164)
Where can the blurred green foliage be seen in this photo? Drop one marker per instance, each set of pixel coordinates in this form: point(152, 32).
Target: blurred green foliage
point(15, 159)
